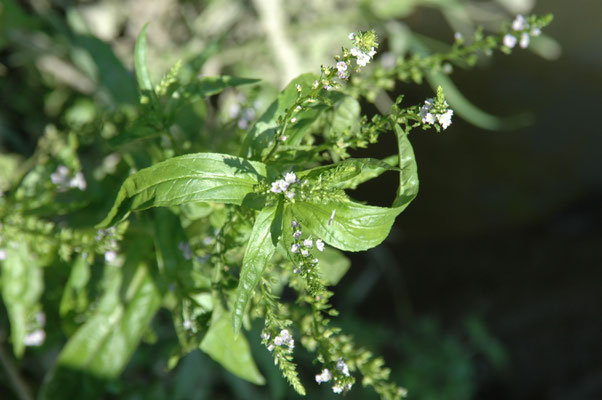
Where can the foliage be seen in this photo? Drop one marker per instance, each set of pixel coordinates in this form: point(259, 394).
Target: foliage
point(212, 221)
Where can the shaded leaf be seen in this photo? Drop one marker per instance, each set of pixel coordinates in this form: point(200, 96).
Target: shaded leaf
point(142, 73)
point(229, 349)
point(22, 286)
point(261, 247)
point(186, 179)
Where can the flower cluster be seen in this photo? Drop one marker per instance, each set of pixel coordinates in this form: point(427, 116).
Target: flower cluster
point(302, 246)
point(340, 382)
point(284, 338)
point(61, 177)
point(364, 50)
point(285, 185)
point(432, 111)
point(522, 26)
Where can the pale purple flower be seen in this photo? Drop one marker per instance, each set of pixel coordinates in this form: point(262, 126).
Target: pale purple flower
point(308, 243)
point(509, 41)
point(519, 23)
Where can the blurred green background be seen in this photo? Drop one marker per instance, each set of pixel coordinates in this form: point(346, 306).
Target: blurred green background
point(489, 286)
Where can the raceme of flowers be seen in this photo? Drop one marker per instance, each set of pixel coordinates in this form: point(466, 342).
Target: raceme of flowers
point(520, 25)
point(342, 370)
point(431, 112)
point(286, 185)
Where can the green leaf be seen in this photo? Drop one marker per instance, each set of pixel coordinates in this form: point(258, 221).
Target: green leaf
point(264, 130)
point(347, 174)
point(262, 245)
point(354, 227)
point(75, 297)
point(408, 176)
point(209, 86)
point(186, 179)
point(142, 73)
point(22, 286)
point(345, 118)
point(333, 265)
point(101, 348)
point(351, 226)
point(229, 349)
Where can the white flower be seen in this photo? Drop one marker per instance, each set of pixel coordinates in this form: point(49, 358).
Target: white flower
point(351, 36)
point(337, 388)
point(363, 59)
point(535, 32)
point(283, 138)
point(2, 254)
point(320, 245)
point(372, 52)
point(519, 23)
point(305, 252)
point(524, 40)
point(355, 51)
point(78, 182)
point(342, 366)
point(298, 87)
point(447, 68)
point(290, 195)
point(283, 185)
point(295, 248)
point(185, 249)
point(187, 324)
point(316, 84)
point(110, 256)
point(445, 118)
point(294, 224)
point(325, 376)
point(509, 41)
point(276, 187)
point(308, 243)
point(290, 177)
point(342, 66)
point(35, 338)
point(297, 234)
point(458, 36)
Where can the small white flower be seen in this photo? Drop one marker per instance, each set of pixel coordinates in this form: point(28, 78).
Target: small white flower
point(445, 119)
point(290, 177)
point(372, 52)
point(519, 23)
point(293, 120)
point(295, 248)
point(351, 36)
point(342, 66)
point(276, 187)
point(78, 182)
point(187, 324)
point(298, 87)
point(458, 36)
point(447, 68)
point(290, 195)
point(294, 224)
point(305, 252)
point(110, 256)
point(342, 74)
point(324, 376)
point(355, 51)
point(283, 138)
point(535, 32)
point(337, 388)
point(265, 335)
point(270, 347)
point(2, 254)
point(283, 185)
point(308, 243)
point(297, 234)
point(524, 40)
point(509, 41)
point(35, 338)
point(363, 59)
point(342, 366)
point(316, 84)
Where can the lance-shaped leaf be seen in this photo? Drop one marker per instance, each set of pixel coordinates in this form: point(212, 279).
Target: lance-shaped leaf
point(22, 286)
point(347, 174)
point(230, 350)
point(190, 178)
point(264, 130)
point(101, 348)
point(262, 244)
point(351, 226)
point(142, 73)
